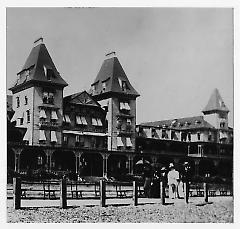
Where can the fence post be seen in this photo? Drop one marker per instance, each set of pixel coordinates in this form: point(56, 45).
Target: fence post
point(205, 185)
point(186, 191)
point(17, 192)
point(135, 193)
point(102, 193)
point(63, 193)
point(162, 192)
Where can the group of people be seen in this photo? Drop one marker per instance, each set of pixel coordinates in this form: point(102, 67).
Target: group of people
point(173, 180)
point(175, 184)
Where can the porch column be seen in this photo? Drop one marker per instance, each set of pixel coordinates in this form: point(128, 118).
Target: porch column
point(78, 155)
point(49, 153)
point(17, 153)
point(105, 168)
point(130, 164)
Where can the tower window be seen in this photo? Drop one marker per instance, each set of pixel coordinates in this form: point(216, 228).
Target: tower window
point(48, 97)
point(39, 160)
point(28, 116)
point(222, 124)
point(18, 101)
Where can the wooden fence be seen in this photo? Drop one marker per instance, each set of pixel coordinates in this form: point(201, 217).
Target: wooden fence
point(102, 190)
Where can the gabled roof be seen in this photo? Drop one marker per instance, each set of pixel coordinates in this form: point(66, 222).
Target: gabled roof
point(33, 69)
point(112, 74)
point(82, 98)
point(215, 103)
point(196, 122)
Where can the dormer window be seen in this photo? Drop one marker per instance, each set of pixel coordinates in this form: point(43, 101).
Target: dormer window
point(104, 86)
point(48, 72)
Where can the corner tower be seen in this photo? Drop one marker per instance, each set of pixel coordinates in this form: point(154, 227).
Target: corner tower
point(37, 98)
point(117, 96)
point(216, 112)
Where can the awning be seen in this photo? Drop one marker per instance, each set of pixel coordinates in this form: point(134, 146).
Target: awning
point(53, 136)
point(84, 121)
point(99, 121)
point(78, 120)
point(223, 135)
point(42, 114)
point(128, 142)
point(67, 119)
point(127, 107)
point(27, 135)
point(42, 136)
point(122, 106)
point(119, 141)
point(54, 115)
point(94, 122)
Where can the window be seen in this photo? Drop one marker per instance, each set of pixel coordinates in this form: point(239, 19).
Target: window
point(183, 136)
point(48, 97)
point(124, 106)
point(124, 85)
point(173, 134)
point(21, 121)
point(222, 124)
point(189, 137)
point(48, 72)
point(198, 136)
point(129, 122)
point(26, 100)
point(18, 101)
point(39, 160)
point(81, 120)
point(28, 116)
point(199, 150)
point(65, 139)
point(209, 137)
point(164, 134)
point(153, 132)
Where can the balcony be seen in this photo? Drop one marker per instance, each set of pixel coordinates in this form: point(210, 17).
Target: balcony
point(48, 124)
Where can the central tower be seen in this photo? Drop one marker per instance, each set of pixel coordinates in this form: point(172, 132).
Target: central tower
point(113, 91)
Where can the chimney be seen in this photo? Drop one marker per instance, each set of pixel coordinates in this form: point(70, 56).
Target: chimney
point(38, 41)
point(110, 54)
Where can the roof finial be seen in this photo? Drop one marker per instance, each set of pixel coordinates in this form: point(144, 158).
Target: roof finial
point(110, 54)
point(38, 41)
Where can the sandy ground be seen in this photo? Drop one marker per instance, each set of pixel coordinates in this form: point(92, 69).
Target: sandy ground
point(217, 210)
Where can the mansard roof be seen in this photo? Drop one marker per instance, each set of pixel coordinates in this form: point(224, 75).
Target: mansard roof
point(215, 103)
point(196, 122)
point(109, 78)
point(81, 98)
point(38, 61)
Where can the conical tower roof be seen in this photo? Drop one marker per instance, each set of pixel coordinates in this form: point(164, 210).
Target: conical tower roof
point(215, 103)
point(109, 80)
point(35, 67)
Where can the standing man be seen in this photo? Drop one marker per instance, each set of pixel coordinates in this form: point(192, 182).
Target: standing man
point(173, 181)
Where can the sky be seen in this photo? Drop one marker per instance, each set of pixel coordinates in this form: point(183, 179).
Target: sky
point(173, 57)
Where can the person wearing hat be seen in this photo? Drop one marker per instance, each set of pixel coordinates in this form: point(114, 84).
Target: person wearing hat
point(173, 180)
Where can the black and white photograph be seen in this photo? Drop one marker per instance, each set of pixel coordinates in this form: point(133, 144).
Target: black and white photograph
point(119, 114)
